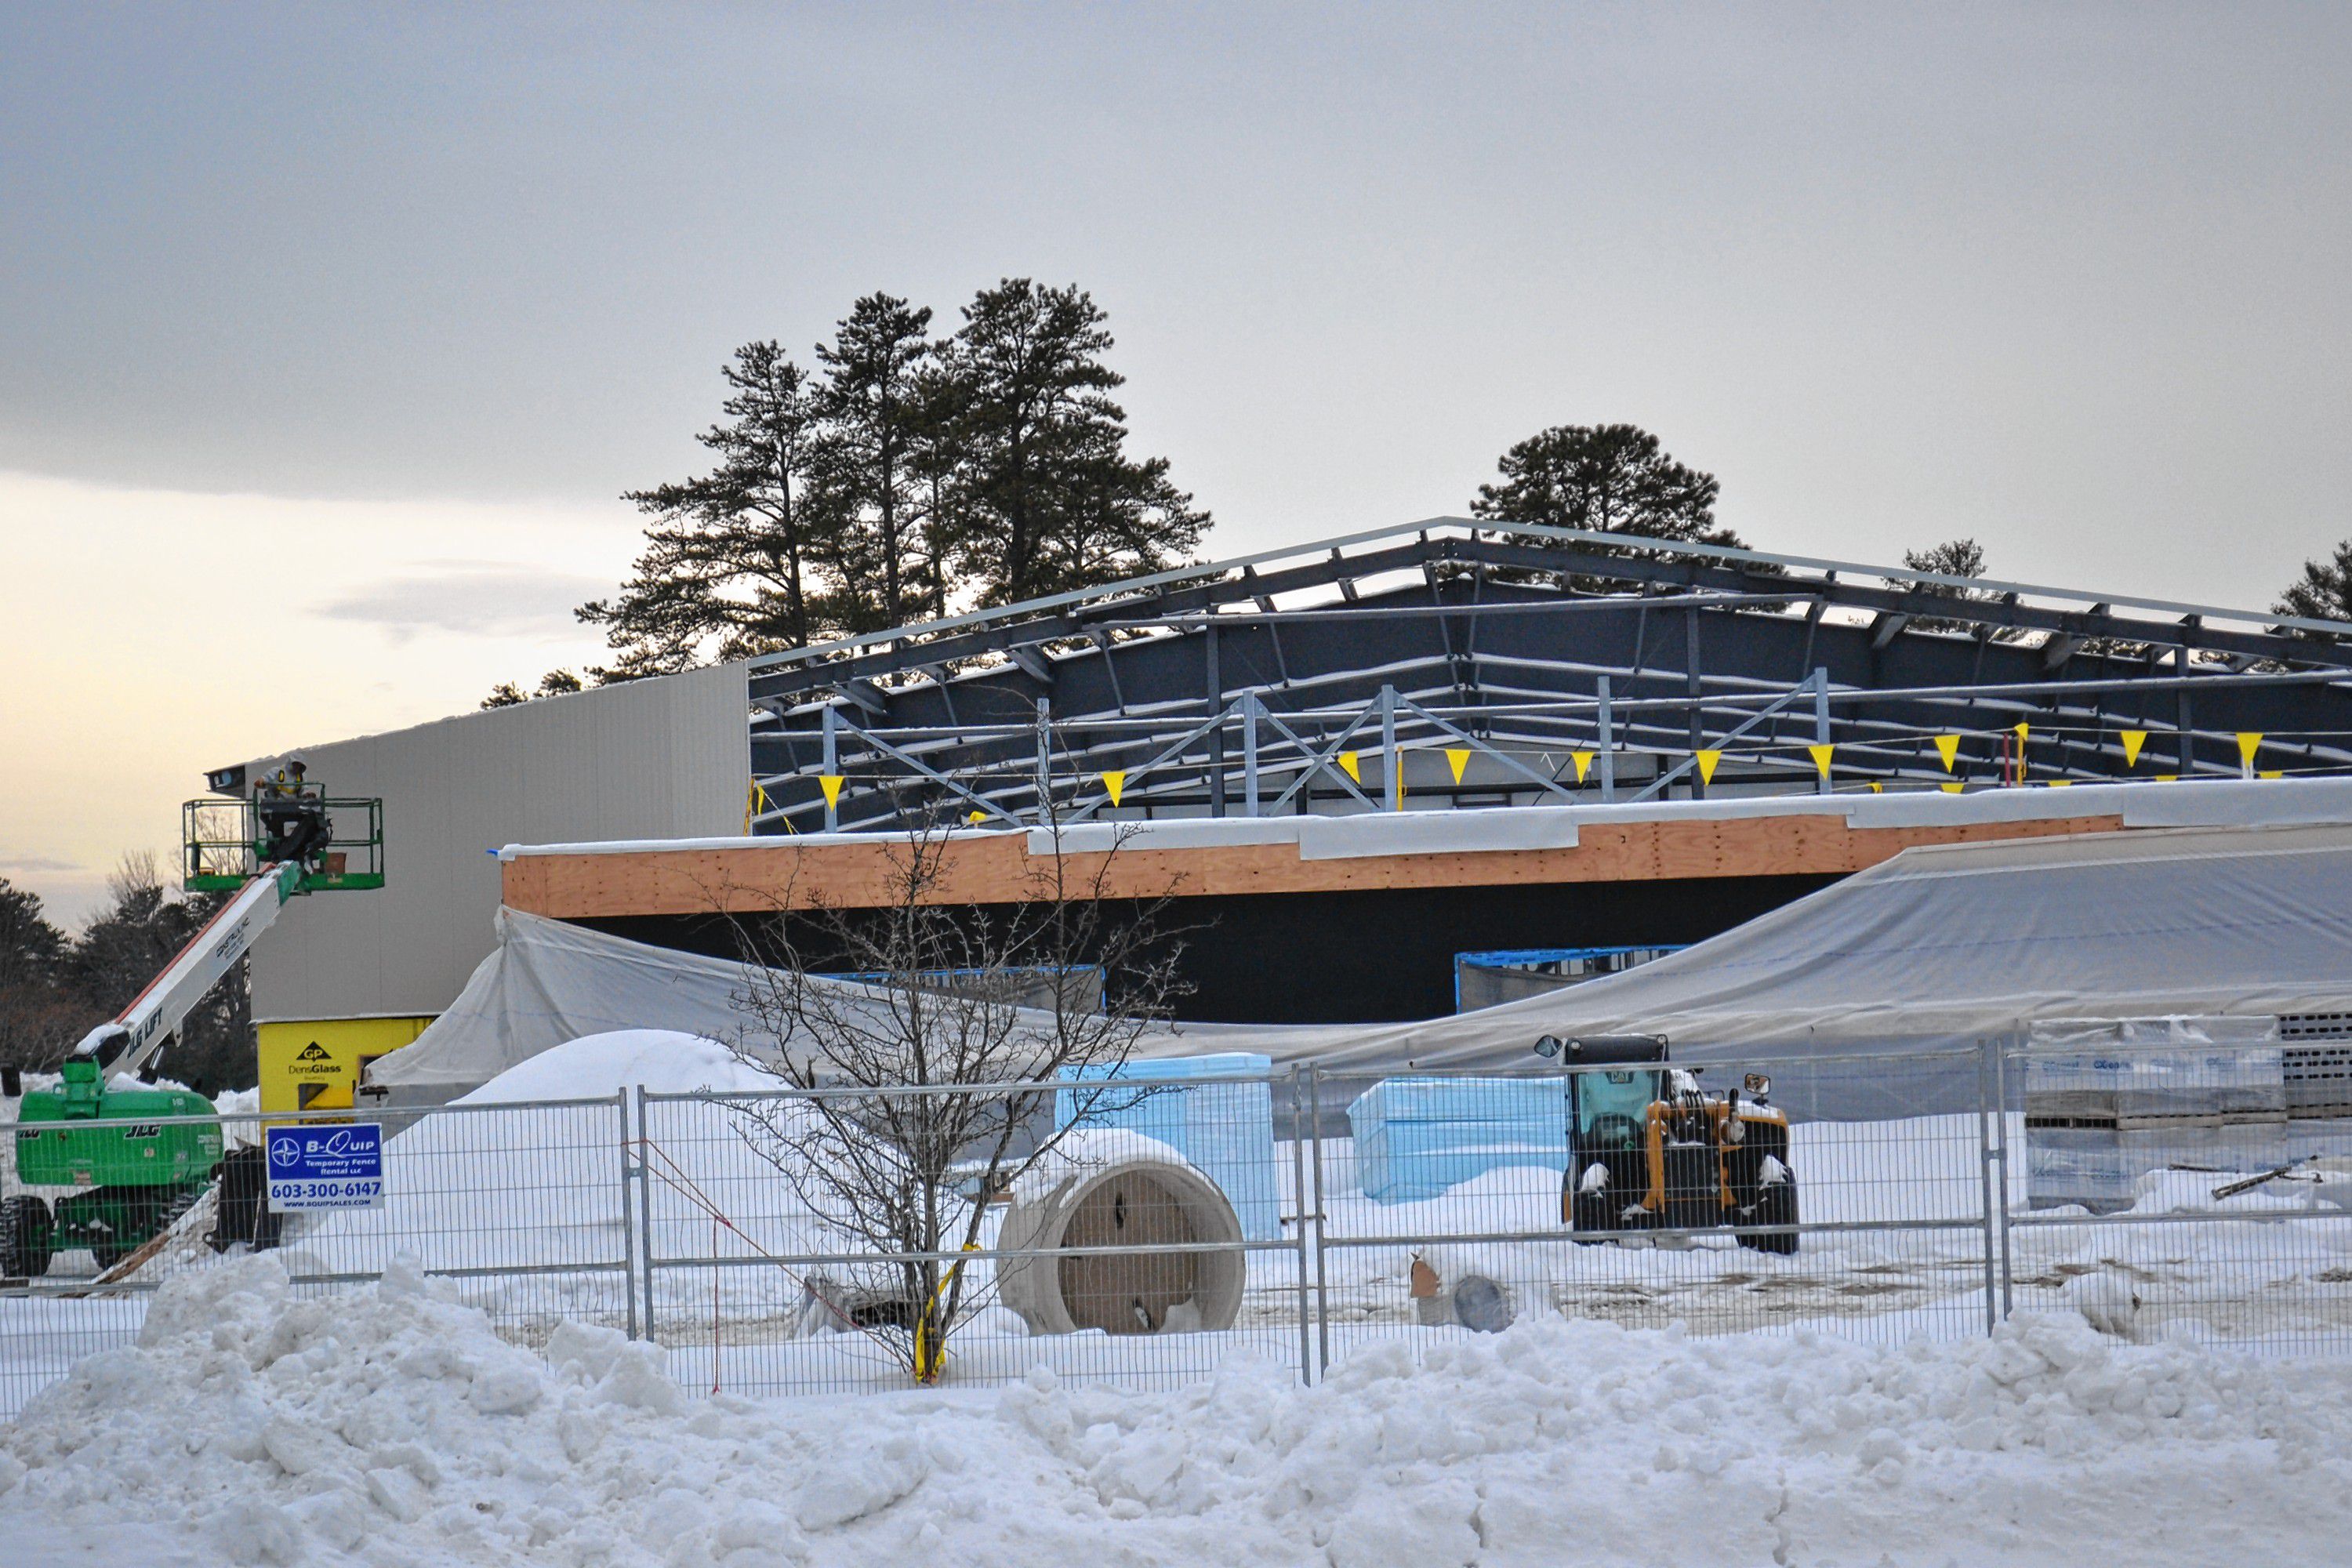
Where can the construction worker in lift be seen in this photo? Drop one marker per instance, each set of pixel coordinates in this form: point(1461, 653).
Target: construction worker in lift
point(293, 816)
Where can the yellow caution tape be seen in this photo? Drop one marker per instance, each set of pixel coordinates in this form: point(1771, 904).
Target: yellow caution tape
point(1821, 758)
point(1583, 760)
point(1114, 782)
point(1707, 757)
point(1949, 748)
point(1458, 758)
point(2133, 741)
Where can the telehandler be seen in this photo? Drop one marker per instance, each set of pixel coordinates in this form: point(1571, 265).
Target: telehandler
point(1648, 1151)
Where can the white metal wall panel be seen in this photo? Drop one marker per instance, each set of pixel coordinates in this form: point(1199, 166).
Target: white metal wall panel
point(653, 759)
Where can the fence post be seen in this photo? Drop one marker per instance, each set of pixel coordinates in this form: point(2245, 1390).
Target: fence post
point(2001, 1164)
point(644, 1210)
point(628, 1231)
point(1298, 1214)
point(1322, 1285)
point(1986, 1109)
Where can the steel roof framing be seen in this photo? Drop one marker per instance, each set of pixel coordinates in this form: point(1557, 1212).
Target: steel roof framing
point(1509, 632)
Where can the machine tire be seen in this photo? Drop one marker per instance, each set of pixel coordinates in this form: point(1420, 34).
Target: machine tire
point(1589, 1212)
point(25, 1230)
point(1777, 1204)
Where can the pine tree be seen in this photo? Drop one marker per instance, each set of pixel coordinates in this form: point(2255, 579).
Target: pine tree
point(1614, 478)
point(1046, 498)
point(867, 459)
point(128, 943)
point(1966, 558)
point(2324, 593)
point(736, 562)
point(38, 1021)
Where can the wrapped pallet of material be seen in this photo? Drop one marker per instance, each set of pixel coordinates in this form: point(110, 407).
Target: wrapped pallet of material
point(2109, 1101)
point(1225, 1130)
point(1417, 1137)
point(1180, 1266)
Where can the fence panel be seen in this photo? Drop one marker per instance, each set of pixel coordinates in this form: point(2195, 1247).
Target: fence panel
point(2181, 1191)
point(1137, 1234)
point(1468, 1203)
point(1158, 1229)
point(521, 1207)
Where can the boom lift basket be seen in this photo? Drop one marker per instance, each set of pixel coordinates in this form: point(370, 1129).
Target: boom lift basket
point(224, 842)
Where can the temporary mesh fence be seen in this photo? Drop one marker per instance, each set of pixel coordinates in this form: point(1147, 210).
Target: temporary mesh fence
point(1141, 1234)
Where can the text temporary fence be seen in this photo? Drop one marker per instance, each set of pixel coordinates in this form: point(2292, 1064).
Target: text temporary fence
point(1163, 1230)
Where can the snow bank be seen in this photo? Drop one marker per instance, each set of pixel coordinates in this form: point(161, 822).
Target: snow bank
point(600, 1065)
point(391, 1427)
point(493, 1182)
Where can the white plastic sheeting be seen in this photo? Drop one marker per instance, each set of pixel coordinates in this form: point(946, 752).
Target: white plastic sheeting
point(1939, 946)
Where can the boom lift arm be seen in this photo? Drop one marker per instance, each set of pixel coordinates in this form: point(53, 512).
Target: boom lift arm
point(152, 1020)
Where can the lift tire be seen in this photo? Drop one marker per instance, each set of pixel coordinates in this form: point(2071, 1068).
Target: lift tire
point(1591, 1212)
point(25, 1231)
point(1777, 1204)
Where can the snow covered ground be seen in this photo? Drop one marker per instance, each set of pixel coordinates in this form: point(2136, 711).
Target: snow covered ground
point(1632, 1414)
point(395, 1426)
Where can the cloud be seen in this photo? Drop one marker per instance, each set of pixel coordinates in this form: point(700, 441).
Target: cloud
point(36, 863)
point(480, 598)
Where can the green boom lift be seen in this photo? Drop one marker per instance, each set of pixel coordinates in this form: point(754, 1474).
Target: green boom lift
point(132, 1160)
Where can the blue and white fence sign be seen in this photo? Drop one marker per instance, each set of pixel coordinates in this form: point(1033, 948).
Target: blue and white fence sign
point(338, 1167)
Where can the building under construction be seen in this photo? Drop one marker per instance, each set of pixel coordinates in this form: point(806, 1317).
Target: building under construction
point(1358, 759)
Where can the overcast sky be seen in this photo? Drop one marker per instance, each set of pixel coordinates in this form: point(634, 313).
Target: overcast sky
point(328, 336)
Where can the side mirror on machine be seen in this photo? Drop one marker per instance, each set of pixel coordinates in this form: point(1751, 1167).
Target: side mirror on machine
point(1759, 1084)
point(1547, 1046)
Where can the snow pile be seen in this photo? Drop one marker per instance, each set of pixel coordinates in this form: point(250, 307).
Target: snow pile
point(391, 1427)
point(663, 1061)
point(494, 1181)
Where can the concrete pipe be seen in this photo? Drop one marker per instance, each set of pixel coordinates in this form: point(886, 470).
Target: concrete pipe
point(1139, 1202)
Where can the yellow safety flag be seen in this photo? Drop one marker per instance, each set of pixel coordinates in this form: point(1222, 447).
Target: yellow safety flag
point(1583, 760)
point(2272, 773)
point(1877, 788)
point(1348, 765)
point(2249, 743)
point(1458, 758)
point(1114, 782)
point(2166, 778)
point(1949, 748)
point(1954, 788)
point(2133, 741)
point(2059, 784)
point(977, 817)
point(831, 785)
point(1707, 757)
point(1821, 758)
point(2021, 728)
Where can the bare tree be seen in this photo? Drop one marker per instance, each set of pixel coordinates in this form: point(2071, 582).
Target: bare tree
point(930, 1086)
